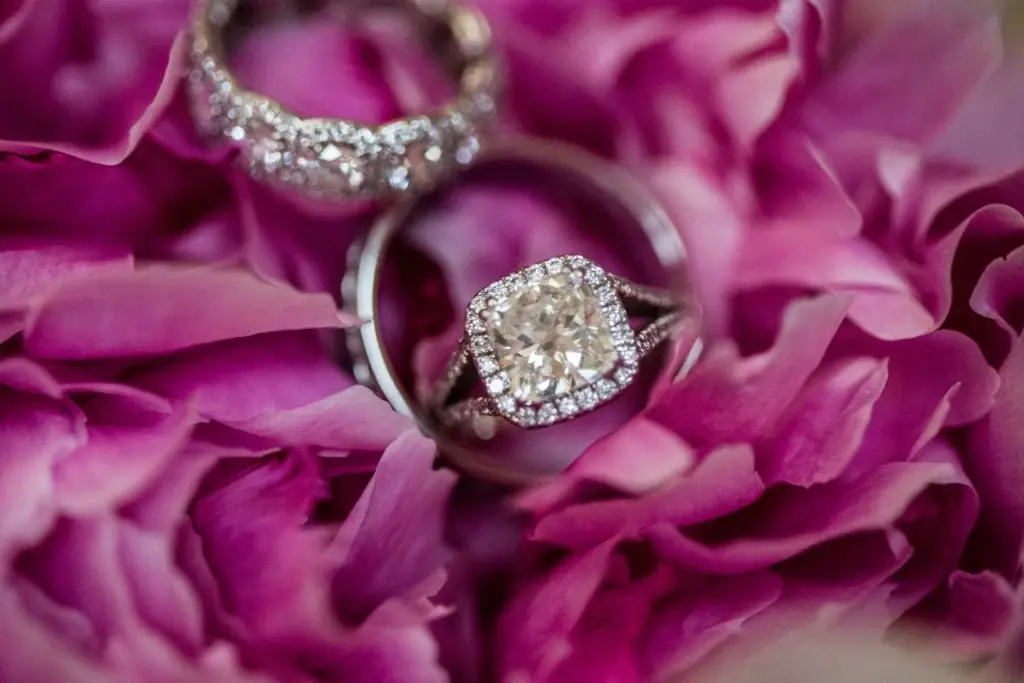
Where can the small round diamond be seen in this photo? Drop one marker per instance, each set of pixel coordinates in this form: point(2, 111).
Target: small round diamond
point(547, 414)
point(555, 266)
point(487, 365)
point(587, 399)
point(497, 384)
point(624, 375)
point(567, 406)
point(527, 417)
point(506, 404)
point(595, 276)
point(606, 388)
point(433, 154)
point(481, 346)
point(476, 325)
point(399, 178)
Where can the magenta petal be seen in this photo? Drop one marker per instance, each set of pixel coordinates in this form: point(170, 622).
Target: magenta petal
point(728, 400)
point(920, 396)
point(997, 469)
point(639, 456)
point(825, 426)
point(908, 78)
point(242, 379)
point(387, 649)
point(999, 293)
point(166, 308)
point(271, 568)
point(722, 484)
point(392, 543)
point(687, 626)
point(981, 613)
point(352, 419)
point(87, 78)
point(32, 268)
point(809, 518)
point(116, 461)
point(35, 433)
point(535, 628)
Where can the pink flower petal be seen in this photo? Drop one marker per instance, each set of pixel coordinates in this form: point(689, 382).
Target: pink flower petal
point(116, 461)
point(158, 309)
point(31, 269)
point(825, 425)
point(812, 517)
point(535, 629)
point(908, 78)
point(242, 379)
point(723, 483)
point(730, 400)
point(703, 616)
point(393, 542)
point(88, 78)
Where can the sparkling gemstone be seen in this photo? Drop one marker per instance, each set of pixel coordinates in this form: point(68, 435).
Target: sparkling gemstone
point(551, 338)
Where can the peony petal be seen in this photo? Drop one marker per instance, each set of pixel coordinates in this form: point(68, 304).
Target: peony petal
point(243, 379)
point(31, 269)
point(393, 543)
point(809, 518)
point(88, 78)
point(703, 616)
point(725, 399)
point(722, 484)
point(980, 615)
point(535, 628)
point(116, 461)
point(823, 430)
point(638, 457)
point(352, 419)
point(271, 568)
point(158, 309)
point(35, 433)
point(907, 79)
point(997, 470)
point(920, 396)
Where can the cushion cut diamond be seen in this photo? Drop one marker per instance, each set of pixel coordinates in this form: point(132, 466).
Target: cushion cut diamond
point(551, 338)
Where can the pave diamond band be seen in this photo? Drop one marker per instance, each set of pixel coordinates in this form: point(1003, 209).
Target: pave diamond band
point(551, 342)
point(338, 160)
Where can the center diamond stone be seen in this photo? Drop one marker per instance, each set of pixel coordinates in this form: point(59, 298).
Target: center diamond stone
point(551, 339)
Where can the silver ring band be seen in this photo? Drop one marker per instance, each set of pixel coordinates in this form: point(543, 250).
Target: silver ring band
point(338, 160)
point(372, 364)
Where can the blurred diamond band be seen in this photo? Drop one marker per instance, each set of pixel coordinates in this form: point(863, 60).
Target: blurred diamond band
point(337, 160)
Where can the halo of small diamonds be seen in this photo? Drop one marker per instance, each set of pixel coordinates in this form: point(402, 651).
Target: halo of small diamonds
point(334, 159)
point(530, 411)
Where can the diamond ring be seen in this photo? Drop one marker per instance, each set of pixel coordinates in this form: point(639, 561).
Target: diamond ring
point(545, 344)
point(552, 342)
point(335, 159)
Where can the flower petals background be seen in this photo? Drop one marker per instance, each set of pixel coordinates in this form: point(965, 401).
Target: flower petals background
point(192, 490)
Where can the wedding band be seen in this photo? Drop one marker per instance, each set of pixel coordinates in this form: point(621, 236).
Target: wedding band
point(340, 160)
point(552, 342)
point(657, 244)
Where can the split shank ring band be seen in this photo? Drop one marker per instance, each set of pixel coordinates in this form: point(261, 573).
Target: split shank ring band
point(547, 343)
point(338, 160)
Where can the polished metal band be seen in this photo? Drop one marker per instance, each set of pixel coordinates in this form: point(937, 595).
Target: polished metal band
point(339, 160)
